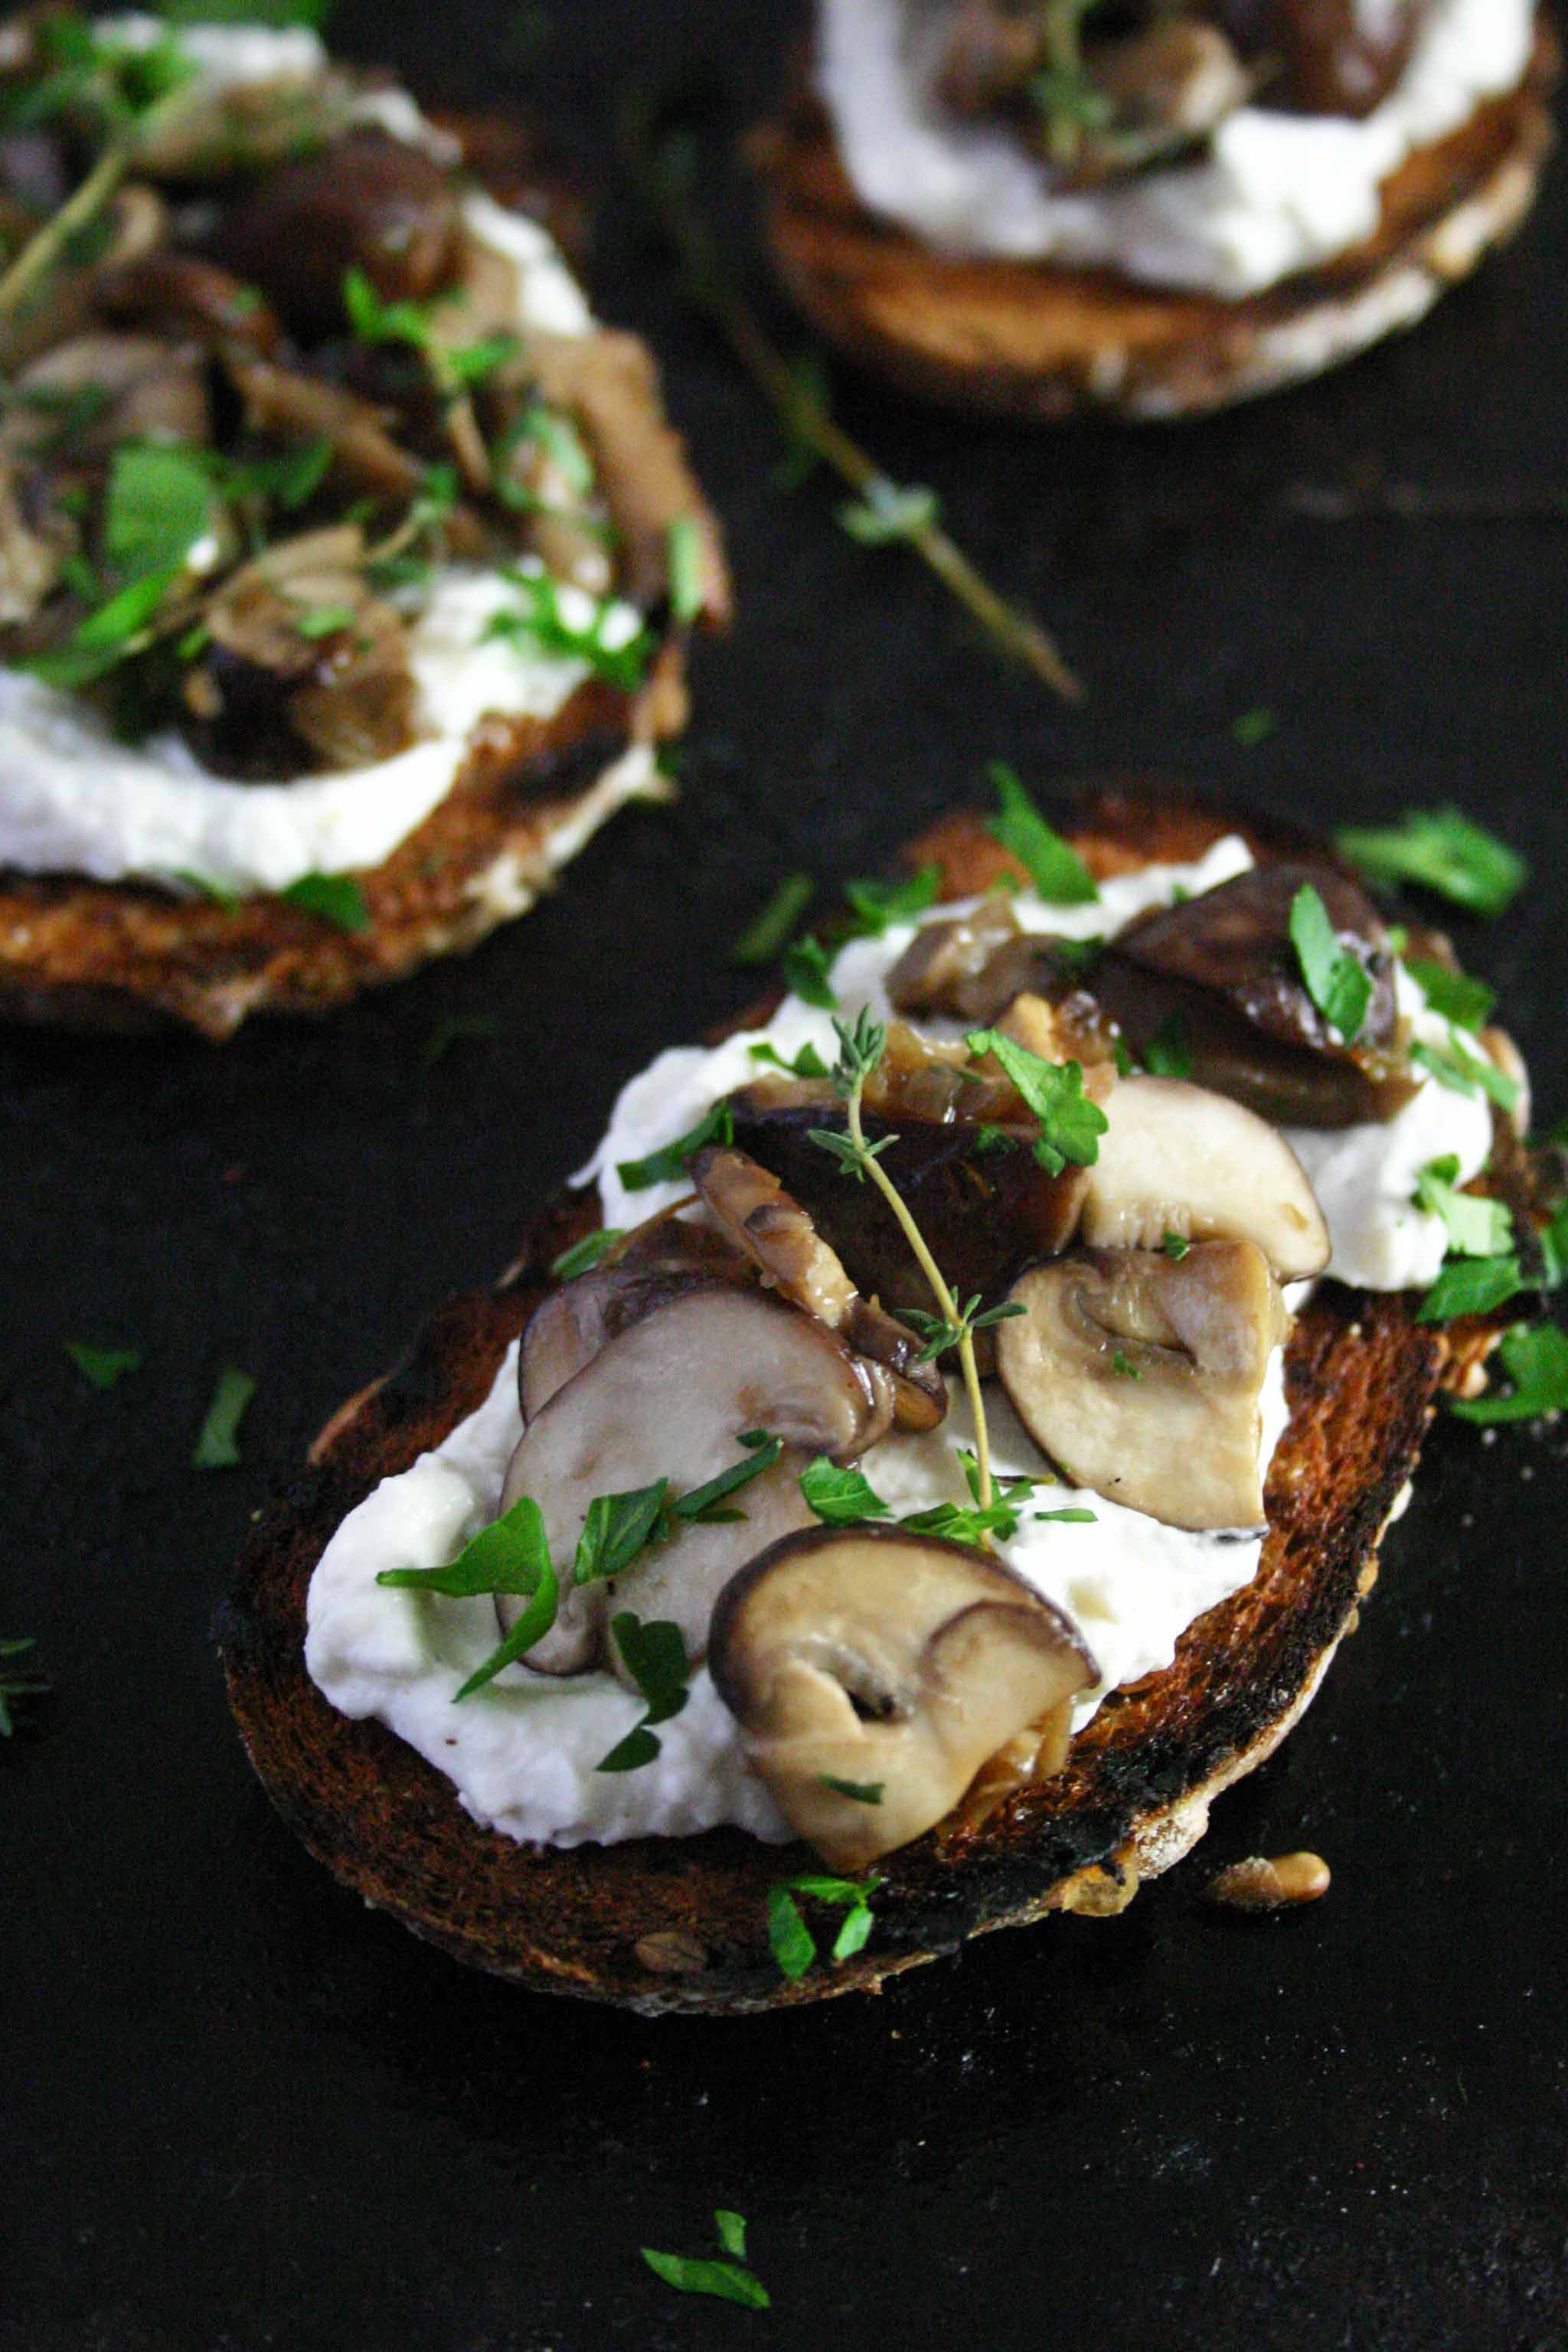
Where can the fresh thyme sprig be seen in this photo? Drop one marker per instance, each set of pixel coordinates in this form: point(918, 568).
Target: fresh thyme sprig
point(860, 1050)
point(665, 167)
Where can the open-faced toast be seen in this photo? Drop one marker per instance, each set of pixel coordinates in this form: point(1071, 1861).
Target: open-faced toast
point(681, 1923)
point(1044, 341)
point(344, 356)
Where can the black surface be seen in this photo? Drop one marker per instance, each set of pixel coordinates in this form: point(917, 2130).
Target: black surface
point(238, 2110)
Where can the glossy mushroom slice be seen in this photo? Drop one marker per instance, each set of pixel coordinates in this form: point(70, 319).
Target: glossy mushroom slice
point(662, 1260)
point(1141, 1376)
point(1179, 1160)
point(670, 1398)
point(873, 1674)
point(759, 1217)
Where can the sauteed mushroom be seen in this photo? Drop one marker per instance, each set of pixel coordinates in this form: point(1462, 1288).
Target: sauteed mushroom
point(661, 1261)
point(891, 1663)
point(1178, 1158)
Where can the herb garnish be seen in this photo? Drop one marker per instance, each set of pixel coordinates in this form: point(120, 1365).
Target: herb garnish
point(1452, 995)
point(1167, 1054)
point(1253, 727)
point(888, 513)
point(1476, 1226)
point(1442, 851)
point(511, 1555)
point(860, 1793)
point(543, 620)
point(15, 1684)
point(617, 1528)
point(727, 2280)
point(586, 1254)
point(766, 935)
point(841, 1497)
point(793, 1944)
point(1535, 1359)
point(217, 1443)
point(804, 968)
point(808, 1064)
point(1470, 1285)
point(1124, 1365)
point(103, 1367)
point(1463, 1073)
point(668, 1165)
point(1058, 874)
point(706, 1503)
point(1070, 1124)
point(1176, 1245)
point(876, 905)
point(655, 1657)
point(1337, 981)
point(685, 565)
point(336, 899)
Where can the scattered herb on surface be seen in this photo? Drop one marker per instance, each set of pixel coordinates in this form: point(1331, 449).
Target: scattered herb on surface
point(1176, 1245)
point(217, 1443)
point(808, 1064)
point(1337, 981)
point(860, 1793)
point(1058, 874)
point(804, 968)
point(1464, 1073)
point(1070, 1124)
point(727, 2280)
point(793, 1944)
point(17, 1683)
point(655, 1657)
point(1073, 1517)
point(768, 933)
point(1167, 1054)
point(1440, 850)
point(1124, 1365)
point(511, 1555)
point(668, 1165)
point(1454, 994)
point(1535, 1359)
point(335, 898)
point(841, 1497)
point(876, 905)
point(586, 1254)
point(1470, 1285)
point(617, 1530)
point(103, 1367)
point(1475, 1227)
point(685, 566)
point(543, 622)
point(707, 1503)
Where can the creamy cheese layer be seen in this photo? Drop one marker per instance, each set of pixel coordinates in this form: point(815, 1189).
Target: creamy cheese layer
point(1275, 193)
point(75, 800)
point(521, 1753)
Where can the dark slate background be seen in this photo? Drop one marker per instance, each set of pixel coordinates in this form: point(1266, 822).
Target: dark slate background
point(239, 2110)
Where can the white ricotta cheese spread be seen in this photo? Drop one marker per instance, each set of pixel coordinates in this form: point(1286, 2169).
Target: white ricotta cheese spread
point(522, 1754)
point(75, 800)
point(1274, 194)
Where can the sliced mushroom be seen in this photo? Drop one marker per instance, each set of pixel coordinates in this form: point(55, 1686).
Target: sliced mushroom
point(944, 958)
point(659, 1262)
point(368, 202)
point(113, 388)
point(1141, 1376)
point(759, 1217)
point(892, 1664)
point(1167, 86)
point(1333, 57)
point(1178, 1158)
point(302, 408)
point(175, 293)
point(669, 1398)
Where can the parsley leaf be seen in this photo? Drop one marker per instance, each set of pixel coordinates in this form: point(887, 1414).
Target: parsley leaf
point(1442, 851)
point(1337, 981)
point(860, 1793)
point(102, 1366)
point(376, 320)
point(1058, 874)
point(1454, 994)
point(1535, 1359)
point(1476, 1226)
point(841, 1497)
point(335, 898)
point(217, 1443)
point(1470, 1285)
point(324, 621)
point(1253, 727)
point(586, 1254)
point(684, 559)
point(804, 970)
point(766, 935)
point(544, 620)
point(1124, 1365)
point(511, 1555)
point(1463, 1073)
point(732, 2231)
point(793, 1944)
point(1176, 1245)
point(668, 1165)
point(808, 1064)
point(616, 1529)
point(1167, 1054)
point(728, 2281)
point(703, 1503)
point(1076, 1517)
point(1070, 1124)
point(15, 1684)
point(655, 1657)
point(875, 905)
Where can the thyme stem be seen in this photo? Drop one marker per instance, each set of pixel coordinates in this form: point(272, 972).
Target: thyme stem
point(807, 420)
point(41, 252)
point(946, 1303)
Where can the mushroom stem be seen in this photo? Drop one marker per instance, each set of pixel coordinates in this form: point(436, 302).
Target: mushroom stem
point(946, 1303)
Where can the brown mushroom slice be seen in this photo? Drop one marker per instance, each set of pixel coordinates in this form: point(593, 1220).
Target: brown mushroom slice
point(759, 1217)
point(891, 1662)
point(1141, 1375)
point(175, 293)
point(944, 958)
point(659, 1262)
point(669, 1398)
point(302, 408)
point(1178, 1158)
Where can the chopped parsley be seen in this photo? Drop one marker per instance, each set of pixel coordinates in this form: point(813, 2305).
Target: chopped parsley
point(876, 905)
point(1535, 1359)
point(586, 1254)
point(706, 1503)
point(217, 1443)
point(1463, 1073)
point(808, 1064)
point(1167, 1054)
point(1253, 727)
point(727, 2280)
point(841, 1497)
point(768, 933)
point(324, 621)
point(103, 1367)
point(793, 1944)
point(1070, 1124)
point(617, 1530)
point(511, 1555)
point(860, 1793)
point(1124, 1365)
point(668, 1165)
point(1337, 981)
point(543, 621)
point(805, 967)
point(1454, 994)
point(1176, 1245)
point(335, 898)
point(1440, 850)
point(17, 1683)
point(1075, 1517)
point(655, 1657)
point(685, 565)
point(1476, 1227)
point(1471, 1286)
point(1058, 874)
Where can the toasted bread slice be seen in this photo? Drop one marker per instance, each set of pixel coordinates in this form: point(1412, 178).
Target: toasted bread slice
point(680, 1924)
point(126, 955)
point(1030, 339)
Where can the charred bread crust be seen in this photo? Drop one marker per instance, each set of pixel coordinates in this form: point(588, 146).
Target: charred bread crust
point(679, 1924)
point(124, 956)
point(1032, 341)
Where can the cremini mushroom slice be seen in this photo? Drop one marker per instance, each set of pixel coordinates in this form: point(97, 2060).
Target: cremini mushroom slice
point(756, 1213)
point(873, 1674)
point(1141, 1376)
point(1177, 1158)
point(670, 1398)
point(661, 1261)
